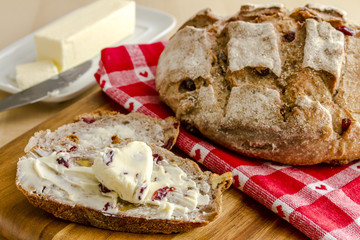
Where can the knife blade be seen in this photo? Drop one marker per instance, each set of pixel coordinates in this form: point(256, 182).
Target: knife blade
point(44, 89)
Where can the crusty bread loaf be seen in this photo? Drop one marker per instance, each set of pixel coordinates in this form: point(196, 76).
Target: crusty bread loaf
point(58, 175)
point(268, 82)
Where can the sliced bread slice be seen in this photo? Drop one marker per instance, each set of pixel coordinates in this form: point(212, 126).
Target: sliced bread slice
point(121, 185)
point(98, 129)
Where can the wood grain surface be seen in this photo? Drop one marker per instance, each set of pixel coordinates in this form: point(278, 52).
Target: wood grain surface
point(241, 218)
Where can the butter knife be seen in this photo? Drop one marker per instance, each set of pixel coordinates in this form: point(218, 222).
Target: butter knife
point(46, 88)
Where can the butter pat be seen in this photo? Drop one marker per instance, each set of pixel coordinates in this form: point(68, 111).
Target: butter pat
point(30, 74)
point(81, 35)
point(127, 170)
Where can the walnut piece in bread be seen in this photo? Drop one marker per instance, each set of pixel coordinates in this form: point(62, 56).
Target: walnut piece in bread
point(268, 82)
point(81, 173)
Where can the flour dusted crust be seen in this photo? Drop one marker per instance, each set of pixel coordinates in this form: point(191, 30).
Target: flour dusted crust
point(324, 47)
point(268, 82)
point(253, 44)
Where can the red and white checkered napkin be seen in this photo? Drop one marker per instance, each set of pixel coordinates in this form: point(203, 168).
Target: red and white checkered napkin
point(321, 201)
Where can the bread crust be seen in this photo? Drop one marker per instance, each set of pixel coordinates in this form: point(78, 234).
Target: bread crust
point(298, 105)
point(123, 223)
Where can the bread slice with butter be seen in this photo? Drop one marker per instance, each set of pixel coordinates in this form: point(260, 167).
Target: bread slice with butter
point(99, 129)
point(132, 185)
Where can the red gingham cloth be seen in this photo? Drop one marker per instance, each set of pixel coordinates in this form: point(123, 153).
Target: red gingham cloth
point(322, 201)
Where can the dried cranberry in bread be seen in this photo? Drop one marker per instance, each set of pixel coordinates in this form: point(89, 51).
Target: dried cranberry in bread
point(118, 184)
point(268, 82)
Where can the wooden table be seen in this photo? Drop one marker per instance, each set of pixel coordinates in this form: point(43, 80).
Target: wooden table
point(242, 217)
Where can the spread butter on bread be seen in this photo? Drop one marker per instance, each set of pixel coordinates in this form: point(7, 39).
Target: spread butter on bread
point(111, 171)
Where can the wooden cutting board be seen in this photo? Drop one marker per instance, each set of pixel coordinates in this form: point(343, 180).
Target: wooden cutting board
point(241, 218)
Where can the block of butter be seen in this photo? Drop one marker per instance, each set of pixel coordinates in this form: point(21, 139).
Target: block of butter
point(82, 34)
point(32, 73)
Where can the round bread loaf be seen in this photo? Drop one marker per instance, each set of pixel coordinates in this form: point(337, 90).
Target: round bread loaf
point(268, 83)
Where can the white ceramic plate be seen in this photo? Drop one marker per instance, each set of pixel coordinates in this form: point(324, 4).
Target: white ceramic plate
point(151, 26)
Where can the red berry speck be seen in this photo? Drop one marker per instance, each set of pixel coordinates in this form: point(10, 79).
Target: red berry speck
point(142, 189)
point(345, 124)
point(346, 30)
point(88, 120)
point(103, 188)
point(73, 148)
point(157, 158)
point(161, 193)
point(107, 206)
point(62, 161)
point(109, 157)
